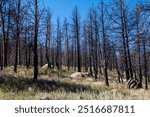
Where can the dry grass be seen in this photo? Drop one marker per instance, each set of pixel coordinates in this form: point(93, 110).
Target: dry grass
point(54, 84)
point(21, 71)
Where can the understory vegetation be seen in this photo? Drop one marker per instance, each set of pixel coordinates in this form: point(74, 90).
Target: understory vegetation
point(55, 85)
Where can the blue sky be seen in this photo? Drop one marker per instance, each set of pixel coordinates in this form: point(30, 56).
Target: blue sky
point(63, 8)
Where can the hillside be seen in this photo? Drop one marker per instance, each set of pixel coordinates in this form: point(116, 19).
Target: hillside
point(53, 84)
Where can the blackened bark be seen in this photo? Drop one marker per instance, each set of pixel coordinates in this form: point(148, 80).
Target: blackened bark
point(35, 39)
point(138, 48)
point(124, 40)
point(17, 36)
point(77, 36)
point(104, 45)
point(145, 65)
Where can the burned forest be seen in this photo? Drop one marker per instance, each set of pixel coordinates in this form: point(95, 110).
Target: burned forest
point(104, 54)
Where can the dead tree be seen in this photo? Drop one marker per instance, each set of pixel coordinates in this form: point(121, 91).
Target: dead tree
point(17, 33)
point(145, 64)
point(66, 38)
point(121, 3)
point(76, 28)
point(138, 41)
point(104, 45)
point(4, 39)
point(59, 45)
point(85, 53)
point(35, 39)
point(96, 38)
point(90, 40)
point(48, 37)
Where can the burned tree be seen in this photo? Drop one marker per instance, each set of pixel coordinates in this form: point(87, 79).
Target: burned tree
point(59, 45)
point(48, 38)
point(17, 33)
point(104, 38)
point(35, 39)
point(76, 31)
point(66, 38)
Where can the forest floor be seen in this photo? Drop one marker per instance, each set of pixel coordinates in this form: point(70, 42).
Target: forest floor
point(53, 84)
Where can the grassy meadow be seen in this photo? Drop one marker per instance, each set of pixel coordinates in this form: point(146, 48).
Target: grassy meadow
point(57, 85)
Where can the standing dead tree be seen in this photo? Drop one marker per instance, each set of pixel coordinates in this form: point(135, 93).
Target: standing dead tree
point(85, 52)
point(17, 33)
point(76, 31)
point(104, 45)
point(5, 9)
point(59, 45)
point(138, 41)
point(48, 38)
point(67, 46)
point(35, 39)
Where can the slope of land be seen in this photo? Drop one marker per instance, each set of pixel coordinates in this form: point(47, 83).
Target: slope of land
point(53, 84)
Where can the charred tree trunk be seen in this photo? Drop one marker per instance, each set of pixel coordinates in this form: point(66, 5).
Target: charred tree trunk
point(124, 40)
point(96, 30)
point(85, 48)
point(7, 36)
point(48, 38)
point(59, 47)
point(41, 55)
point(138, 48)
point(77, 36)
point(104, 45)
point(17, 35)
point(127, 44)
point(66, 37)
point(145, 65)
point(1, 57)
point(35, 39)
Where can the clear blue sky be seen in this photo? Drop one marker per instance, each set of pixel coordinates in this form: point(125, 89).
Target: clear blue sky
point(63, 8)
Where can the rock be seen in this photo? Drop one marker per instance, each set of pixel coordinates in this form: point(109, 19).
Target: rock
point(30, 89)
point(15, 76)
point(79, 75)
point(76, 75)
point(85, 74)
point(55, 70)
point(89, 79)
point(45, 66)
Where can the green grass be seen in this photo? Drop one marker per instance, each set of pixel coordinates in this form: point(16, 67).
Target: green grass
point(56, 85)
